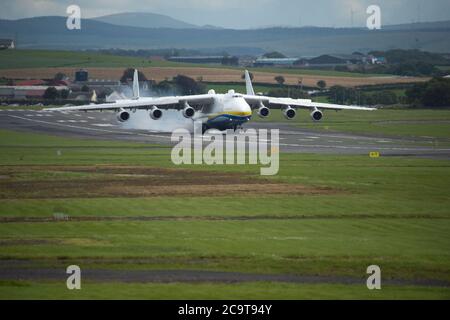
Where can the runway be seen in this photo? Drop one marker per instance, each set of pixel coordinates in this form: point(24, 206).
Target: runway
point(104, 126)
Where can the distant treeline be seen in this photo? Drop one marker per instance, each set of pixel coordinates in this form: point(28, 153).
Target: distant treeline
point(405, 63)
point(166, 53)
point(434, 93)
point(344, 95)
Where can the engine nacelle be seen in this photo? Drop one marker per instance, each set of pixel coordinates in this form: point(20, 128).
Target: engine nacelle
point(263, 111)
point(123, 116)
point(316, 115)
point(188, 111)
point(155, 113)
point(289, 113)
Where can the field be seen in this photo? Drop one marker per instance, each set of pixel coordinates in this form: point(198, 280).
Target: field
point(123, 210)
point(37, 64)
point(23, 59)
point(433, 124)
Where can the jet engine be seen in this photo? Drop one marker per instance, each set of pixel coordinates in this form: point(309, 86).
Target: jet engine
point(155, 113)
point(316, 115)
point(188, 111)
point(123, 116)
point(289, 113)
point(263, 111)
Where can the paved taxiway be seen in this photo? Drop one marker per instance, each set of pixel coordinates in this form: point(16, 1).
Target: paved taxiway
point(103, 125)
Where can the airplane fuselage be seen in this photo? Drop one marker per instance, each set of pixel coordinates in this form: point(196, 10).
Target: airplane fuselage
point(228, 111)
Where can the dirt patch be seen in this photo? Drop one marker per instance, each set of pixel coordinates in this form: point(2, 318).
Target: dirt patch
point(143, 182)
point(209, 75)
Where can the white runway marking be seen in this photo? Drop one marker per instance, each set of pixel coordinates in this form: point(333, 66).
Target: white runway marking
point(91, 129)
point(103, 124)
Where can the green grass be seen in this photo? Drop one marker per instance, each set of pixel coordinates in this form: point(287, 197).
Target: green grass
point(264, 290)
point(10, 59)
point(393, 212)
point(261, 246)
point(432, 123)
point(20, 58)
point(314, 72)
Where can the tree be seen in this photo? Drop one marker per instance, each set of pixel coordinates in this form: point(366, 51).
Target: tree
point(279, 79)
point(250, 74)
point(230, 61)
point(321, 84)
point(188, 85)
point(59, 76)
point(437, 93)
point(104, 93)
point(434, 93)
point(64, 94)
point(274, 55)
point(128, 75)
point(51, 93)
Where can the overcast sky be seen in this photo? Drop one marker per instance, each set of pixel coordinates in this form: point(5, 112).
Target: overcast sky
point(244, 13)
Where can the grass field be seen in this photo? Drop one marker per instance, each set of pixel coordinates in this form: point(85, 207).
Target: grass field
point(11, 59)
point(316, 72)
point(38, 64)
point(429, 123)
point(323, 215)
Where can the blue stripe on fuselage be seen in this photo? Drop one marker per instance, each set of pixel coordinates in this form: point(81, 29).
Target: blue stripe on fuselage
point(227, 121)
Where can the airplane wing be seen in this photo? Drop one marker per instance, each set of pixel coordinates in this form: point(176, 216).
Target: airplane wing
point(281, 103)
point(174, 102)
point(145, 103)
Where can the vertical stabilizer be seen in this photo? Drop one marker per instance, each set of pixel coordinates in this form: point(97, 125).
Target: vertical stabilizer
point(248, 84)
point(135, 85)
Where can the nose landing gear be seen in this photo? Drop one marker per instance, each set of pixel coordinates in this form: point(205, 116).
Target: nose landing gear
point(204, 128)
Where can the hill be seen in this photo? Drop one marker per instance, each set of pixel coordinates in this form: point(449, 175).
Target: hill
point(51, 33)
point(145, 20)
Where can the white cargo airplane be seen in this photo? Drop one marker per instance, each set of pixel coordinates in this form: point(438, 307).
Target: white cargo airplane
point(216, 111)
